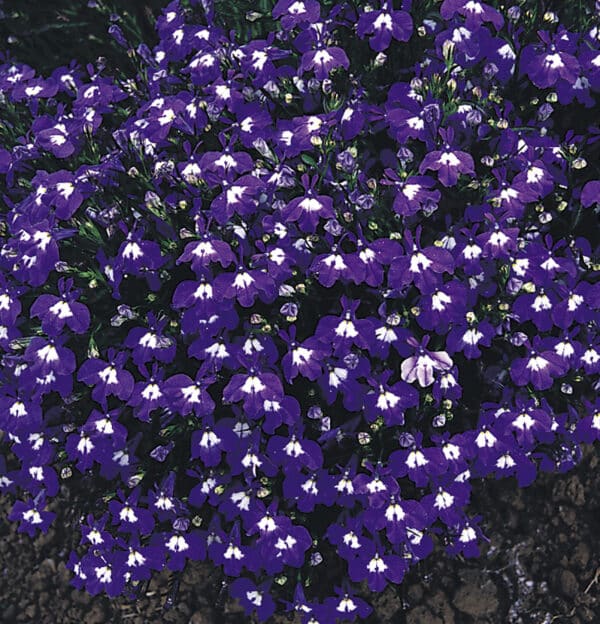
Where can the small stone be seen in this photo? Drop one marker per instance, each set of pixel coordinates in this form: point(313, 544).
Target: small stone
point(581, 555)
point(80, 597)
point(568, 584)
point(9, 613)
point(438, 603)
point(422, 615)
point(477, 601)
point(31, 612)
point(96, 615)
point(206, 616)
point(414, 593)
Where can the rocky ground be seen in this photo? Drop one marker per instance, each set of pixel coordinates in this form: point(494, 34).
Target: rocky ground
point(542, 566)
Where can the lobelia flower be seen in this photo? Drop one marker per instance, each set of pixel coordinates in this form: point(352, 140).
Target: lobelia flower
point(37, 249)
point(376, 256)
point(253, 387)
point(108, 377)
point(344, 332)
point(180, 546)
point(148, 395)
point(389, 401)
point(129, 516)
point(254, 598)
point(292, 13)
point(18, 409)
point(308, 488)
point(536, 307)
point(295, 451)
point(475, 13)
point(588, 428)
point(590, 194)
point(56, 312)
point(323, 60)
point(467, 337)
point(335, 266)
point(448, 162)
point(550, 61)
point(511, 197)
point(245, 286)
point(209, 442)
point(443, 306)
point(139, 561)
point(231, 553)
point(58, 137)
point(385, 332)
point(498, 241)
point(31, 515)
point(50, 357)
point(446, 385)
point(423, 267)
point(310, 209)
point(161, 500)
point(419, 463)
point(539, 368)
point(447, 499)
point(346, 604)
point(35, 475)
point(137, 256)
point(383, 25)
point(185, 395)
point(277, 412)
point(303, 358)
point(422, 366)
point(412, 194)
point(590, 358)
point(466, 538)
point(238, 196)
point(341, 376)
point(149, 344)
point(376, 566)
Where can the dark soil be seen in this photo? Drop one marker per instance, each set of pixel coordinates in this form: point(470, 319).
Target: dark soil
point(542, 566)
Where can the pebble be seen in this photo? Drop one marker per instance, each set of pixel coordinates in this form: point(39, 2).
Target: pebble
point(477, 601)
point(568, 584)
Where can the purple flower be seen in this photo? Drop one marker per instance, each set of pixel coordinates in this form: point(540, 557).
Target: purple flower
point(253, 598)
point(423, 266)
point(323, 61)
point(294, 12)
point(468, 336)
point(31, 516)
point(383, 26)
point(107, 377)
point(245, 286)
point(187, 396)
point(129, 516)
point(150, 344)
point(56, 312)
point(253, 388)
point(539, 368)
point(419, 463)
point(448, 162)
point(590, 193)
point(548, 63)
point(310, 209)
point(475, 13)
point(422, 366)
point(378, 568)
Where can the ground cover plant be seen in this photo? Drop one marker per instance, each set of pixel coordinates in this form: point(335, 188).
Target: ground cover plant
point(277, 289)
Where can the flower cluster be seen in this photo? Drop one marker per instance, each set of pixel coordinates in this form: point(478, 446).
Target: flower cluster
point(278, 295)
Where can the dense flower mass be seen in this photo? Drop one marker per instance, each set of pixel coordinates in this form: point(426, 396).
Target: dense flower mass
point(275, 297)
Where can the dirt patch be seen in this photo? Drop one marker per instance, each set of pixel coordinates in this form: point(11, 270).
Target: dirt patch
point(542, 566)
